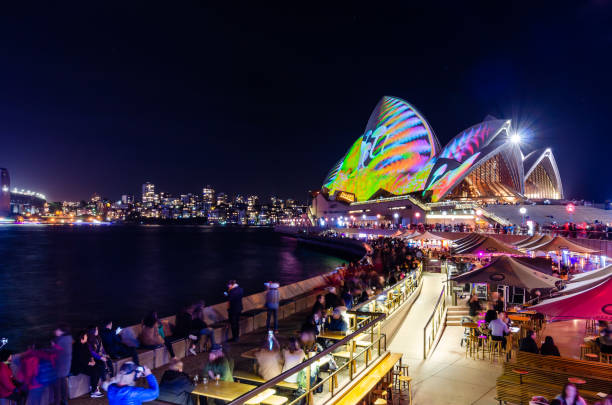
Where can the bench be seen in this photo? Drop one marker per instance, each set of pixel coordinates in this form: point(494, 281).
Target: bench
point(254, 378)
point(546, 376)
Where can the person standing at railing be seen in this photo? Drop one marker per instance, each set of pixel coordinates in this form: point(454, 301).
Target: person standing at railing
point(234, 296)
point(272, 302)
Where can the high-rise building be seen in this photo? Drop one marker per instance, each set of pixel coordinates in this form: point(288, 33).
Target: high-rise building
point(148, 194)
point(221, 198)
point(208, 195)
point(127, 199)
point(5, 193)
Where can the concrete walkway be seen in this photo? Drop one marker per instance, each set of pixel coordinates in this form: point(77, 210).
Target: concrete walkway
point(446, 377)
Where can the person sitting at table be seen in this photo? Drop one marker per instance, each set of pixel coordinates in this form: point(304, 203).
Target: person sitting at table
point(570, 396)
point(474, 305)
point(528, 343)
point(314, 322)
point(331, 298)
point(176, 386)
point(292, 356)
point(336, 323)
point(605, 341)
point(498, 302)
point(269, 360)
point(218, 366)
point(319, 304)
point(491, 313)
point(499, 329)
point(548, 347)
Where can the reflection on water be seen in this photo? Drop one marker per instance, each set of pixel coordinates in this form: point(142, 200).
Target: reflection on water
point(82, 275)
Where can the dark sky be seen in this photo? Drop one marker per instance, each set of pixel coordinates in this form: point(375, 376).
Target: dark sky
point(101, 96)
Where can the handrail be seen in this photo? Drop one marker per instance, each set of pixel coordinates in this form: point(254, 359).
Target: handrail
point(438, 309)
point(281, 377)
point(419, 273)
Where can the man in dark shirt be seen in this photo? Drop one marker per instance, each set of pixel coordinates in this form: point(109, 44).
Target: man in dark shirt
point(528, 343)
point(234, 295)
point(331, 299)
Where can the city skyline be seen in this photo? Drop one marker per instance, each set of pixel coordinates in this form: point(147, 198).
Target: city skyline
point(265, 100)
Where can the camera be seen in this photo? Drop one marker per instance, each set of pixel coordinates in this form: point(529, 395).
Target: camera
point(140, 371)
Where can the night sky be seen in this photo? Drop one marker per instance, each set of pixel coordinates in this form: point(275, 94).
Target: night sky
point(101, 96)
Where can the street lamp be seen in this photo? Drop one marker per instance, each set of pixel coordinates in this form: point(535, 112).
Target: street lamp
point(523, 211)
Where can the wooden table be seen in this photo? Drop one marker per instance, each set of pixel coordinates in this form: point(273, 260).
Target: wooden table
point(519, 318)
point(250, 354)
point(333, 335)
point(229, 391)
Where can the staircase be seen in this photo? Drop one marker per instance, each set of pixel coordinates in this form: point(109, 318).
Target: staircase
point(455, 314)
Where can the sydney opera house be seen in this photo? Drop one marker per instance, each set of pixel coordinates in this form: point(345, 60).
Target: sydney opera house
point(399, 161)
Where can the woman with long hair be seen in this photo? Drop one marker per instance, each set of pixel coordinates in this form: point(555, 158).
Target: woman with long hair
point(569, 396)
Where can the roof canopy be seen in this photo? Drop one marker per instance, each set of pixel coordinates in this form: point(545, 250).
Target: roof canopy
point(558, 244)
point(594, 303)
point(506, 270)
point(576, 286)
point(540, 241)
point(528, 240)
point(426, 236)
point(487, 246)
point(590, 275)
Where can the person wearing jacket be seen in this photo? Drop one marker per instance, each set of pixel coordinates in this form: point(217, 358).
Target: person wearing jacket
point(8, 384)
point(63, 345)
point(151, 334)
point(548, 347)
point(528, 343)
point(272, 302)
point(234, 295)
point(36, 370)
point(175, 385)
point(111, 340)
point(84, 363)
point(98, 353)
point(122, 391)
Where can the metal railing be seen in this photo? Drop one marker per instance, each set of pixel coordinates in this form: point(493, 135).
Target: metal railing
point(368, 318)
point(372, 325)
point(393, 297)
point(434, 323)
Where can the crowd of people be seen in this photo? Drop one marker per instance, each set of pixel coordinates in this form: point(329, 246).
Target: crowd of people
point(91, 351)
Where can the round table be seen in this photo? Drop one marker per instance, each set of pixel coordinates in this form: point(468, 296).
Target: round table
point(576, 380)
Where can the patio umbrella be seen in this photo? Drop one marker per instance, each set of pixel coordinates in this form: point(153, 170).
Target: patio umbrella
point(397, 233)
point(542, 240)
point(594, 274)
point(506, 270)
point(559, 243)
point(487, 246)
point(576, 286)
point(408, 233)
point(594, 303)
point(466, 238)
point(527, 241)
point(469, 242)
point(426, 236)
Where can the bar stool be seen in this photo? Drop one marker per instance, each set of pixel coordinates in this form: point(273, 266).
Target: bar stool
point(496, 350)
point(591, 357)
point(406, 382)
point(605, 357)
point(584, 349)
point(483, 341)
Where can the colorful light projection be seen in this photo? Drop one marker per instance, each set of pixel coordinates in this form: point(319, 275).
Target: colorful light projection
point(394, 154)
point(469, 141)
point(449, 179)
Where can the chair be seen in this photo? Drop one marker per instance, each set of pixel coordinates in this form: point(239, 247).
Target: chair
point(605, 358)
point(483, 342)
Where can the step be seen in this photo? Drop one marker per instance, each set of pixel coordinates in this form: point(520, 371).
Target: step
point(453, 323)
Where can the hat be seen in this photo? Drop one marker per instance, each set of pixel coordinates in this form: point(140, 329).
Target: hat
point(216, 347)
point(128, 367)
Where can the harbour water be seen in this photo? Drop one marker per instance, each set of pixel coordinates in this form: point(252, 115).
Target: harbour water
point(84, 274)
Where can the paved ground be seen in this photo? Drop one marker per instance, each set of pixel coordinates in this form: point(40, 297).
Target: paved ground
point(447, 377)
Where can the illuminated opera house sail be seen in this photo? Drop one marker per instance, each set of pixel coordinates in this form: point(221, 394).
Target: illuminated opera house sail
point(399, 155)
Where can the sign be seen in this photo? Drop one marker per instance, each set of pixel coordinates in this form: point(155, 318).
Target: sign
point(346, 197)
